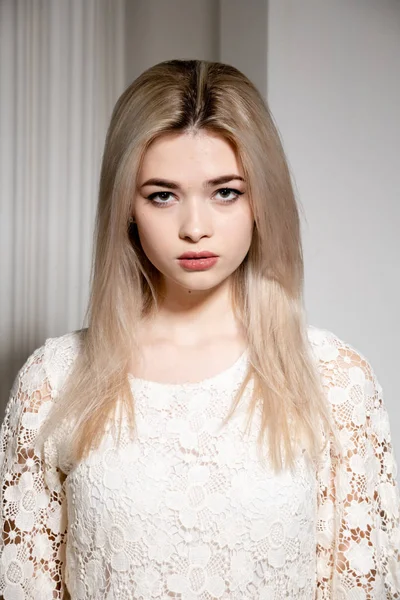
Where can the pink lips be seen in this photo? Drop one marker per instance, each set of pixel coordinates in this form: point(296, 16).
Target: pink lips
point(197, 261)
point(203, 254)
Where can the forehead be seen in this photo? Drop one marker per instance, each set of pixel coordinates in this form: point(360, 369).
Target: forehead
point(183, 155)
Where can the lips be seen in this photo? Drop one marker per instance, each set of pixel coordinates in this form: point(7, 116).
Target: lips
point(203, 254)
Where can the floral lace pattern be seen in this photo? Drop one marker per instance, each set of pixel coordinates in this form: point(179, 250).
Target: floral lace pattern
point(187, 510)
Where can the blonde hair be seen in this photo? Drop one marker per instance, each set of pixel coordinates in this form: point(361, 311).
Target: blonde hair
point(267, 292)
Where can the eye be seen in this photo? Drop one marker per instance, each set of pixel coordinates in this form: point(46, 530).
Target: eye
point(236, 193)
point(152, 198)
point(164, 196)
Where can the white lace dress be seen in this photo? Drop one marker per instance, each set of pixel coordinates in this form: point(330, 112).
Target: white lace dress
point(187, 511)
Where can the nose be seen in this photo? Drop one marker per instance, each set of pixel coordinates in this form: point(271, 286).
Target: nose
point(195, 220)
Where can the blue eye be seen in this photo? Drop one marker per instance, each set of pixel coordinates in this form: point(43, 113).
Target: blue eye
point(152, 197)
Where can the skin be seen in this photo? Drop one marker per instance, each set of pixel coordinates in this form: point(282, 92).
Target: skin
point(196, 304)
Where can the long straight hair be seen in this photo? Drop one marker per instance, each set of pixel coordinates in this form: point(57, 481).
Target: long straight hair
point(267, 288)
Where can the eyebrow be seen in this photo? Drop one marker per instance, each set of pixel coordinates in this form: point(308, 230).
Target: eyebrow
point(172, 185)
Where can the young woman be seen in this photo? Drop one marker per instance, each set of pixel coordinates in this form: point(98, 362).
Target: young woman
point(198, 439)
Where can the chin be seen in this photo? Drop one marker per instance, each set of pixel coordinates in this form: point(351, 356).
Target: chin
point(201, 282)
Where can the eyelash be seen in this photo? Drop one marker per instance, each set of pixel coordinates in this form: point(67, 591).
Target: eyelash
point(152, 197)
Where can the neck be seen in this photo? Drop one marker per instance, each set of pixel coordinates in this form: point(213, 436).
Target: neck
point(195, 315)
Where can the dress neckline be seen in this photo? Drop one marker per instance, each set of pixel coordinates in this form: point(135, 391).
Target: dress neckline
point(220, 377)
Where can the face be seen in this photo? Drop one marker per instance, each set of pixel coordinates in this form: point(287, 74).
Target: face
point(186, 213)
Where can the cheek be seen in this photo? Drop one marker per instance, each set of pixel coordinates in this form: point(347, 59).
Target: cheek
point(239, 232)
point(154, 240)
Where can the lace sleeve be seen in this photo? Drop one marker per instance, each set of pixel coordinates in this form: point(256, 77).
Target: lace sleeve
point(33, 511)
point(358, 531)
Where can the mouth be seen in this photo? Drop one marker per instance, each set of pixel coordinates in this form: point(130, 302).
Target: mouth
point(197, 255)
point(198, 263)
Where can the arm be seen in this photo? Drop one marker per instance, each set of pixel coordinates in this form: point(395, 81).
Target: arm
point(358, 530)
point(32, 501)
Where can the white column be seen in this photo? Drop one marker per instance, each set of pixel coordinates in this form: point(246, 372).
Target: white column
point(62, 68)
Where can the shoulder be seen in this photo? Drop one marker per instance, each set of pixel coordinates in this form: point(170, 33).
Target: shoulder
point(352, 388)
point(59, 354)
point(327, 344)
point(333, 352)
point(47, 367)
point(32, 395)
point(35, 389)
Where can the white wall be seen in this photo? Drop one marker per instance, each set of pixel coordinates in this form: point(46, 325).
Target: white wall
point(231, 31)
point(156, 30)
point(334, 89)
